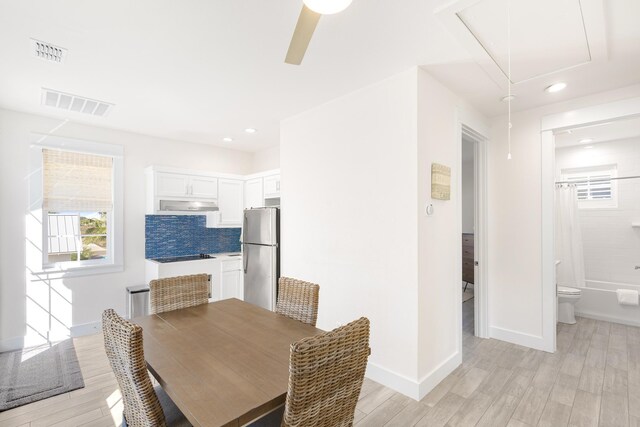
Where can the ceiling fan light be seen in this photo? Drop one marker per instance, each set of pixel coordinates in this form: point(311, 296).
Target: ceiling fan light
point(327, 7)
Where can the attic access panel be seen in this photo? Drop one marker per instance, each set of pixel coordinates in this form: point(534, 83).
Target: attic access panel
point(546, 35)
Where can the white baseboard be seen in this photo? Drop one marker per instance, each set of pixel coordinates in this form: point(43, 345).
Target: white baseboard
point(393, 380)
point(411, 388)
point(18, 343)
point(86, 329)
point(607, 318)
point(433, 378)
point(11, 344)
point(526, 340)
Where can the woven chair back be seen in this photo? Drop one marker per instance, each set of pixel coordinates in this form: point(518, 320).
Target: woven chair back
point(298, 300)
point(123, 344)
point(325, 377)
point(173, 293)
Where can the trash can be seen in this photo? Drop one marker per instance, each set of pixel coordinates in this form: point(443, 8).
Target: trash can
point(137, 301)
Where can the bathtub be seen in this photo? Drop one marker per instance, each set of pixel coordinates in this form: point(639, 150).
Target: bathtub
point(599, 301)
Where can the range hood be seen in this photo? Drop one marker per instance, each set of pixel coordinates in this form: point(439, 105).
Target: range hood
point(187, 206)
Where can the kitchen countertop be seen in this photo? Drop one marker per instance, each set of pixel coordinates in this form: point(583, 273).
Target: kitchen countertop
point(223, 256)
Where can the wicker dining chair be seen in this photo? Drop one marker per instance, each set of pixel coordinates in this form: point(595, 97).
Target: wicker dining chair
point(298, 300)
point(325, 376)
point(173, 293)
point(144, 405)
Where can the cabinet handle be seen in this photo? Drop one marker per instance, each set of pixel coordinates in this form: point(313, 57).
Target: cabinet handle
point(278, 185)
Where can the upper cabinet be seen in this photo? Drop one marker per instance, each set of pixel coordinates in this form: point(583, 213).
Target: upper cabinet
point(230, 202)
point(169, 184)
point(230, 193)
point(272, 186)
point(253, 193)
point(203, 187)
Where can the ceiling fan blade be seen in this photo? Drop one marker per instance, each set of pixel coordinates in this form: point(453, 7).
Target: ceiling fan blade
point(305, 27)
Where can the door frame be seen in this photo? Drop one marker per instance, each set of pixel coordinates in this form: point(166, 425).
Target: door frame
point(478, 131)
point(551, 124)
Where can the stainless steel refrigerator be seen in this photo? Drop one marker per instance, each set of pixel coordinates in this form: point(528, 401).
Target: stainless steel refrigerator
point(260, 256)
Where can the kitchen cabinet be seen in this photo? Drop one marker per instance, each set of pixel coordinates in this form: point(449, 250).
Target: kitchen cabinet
point(172, 184)
point(272, 186)
point(253, 193)
point(182, 185)
point(231, 283)
point(230, 202)
point(203, 187)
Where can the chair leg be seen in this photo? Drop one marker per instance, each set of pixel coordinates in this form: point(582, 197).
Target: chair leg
point(465, 286)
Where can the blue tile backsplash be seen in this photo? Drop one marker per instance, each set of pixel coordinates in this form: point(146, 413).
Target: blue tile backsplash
point(182, 235)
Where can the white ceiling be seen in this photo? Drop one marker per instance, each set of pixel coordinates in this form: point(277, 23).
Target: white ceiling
point(611, 131)
point(200, 70)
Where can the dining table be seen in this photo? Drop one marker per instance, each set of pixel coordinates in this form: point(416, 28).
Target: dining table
point(225, 363)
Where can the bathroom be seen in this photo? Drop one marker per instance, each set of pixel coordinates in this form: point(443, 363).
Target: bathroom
point(597, 224)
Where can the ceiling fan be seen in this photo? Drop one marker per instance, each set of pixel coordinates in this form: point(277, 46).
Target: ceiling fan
point(311, 12)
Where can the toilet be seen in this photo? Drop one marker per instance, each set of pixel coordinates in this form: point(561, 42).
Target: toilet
point(567, 298)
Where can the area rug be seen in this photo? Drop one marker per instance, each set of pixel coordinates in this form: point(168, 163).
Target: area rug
point(30, 375)
point(466, 296)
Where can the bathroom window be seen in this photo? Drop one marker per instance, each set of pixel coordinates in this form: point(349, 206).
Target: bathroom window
point(595, 187)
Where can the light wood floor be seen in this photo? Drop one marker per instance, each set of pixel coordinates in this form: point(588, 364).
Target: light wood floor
point(593, 379)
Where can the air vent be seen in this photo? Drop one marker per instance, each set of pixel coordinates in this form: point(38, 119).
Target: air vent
point(79, 104)
point(48, 52)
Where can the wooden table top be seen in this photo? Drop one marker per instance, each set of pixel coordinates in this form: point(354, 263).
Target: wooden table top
point(224, 363)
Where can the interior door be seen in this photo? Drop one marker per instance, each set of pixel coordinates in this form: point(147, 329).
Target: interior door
point(259, 265)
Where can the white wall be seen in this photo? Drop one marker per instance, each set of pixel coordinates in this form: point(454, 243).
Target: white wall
point(266, 159)
point(91, 294)
point(515, 220)
point(440, 240)
point(349, 214)
point(468, 190)
point(355, 180)
point(611, 246)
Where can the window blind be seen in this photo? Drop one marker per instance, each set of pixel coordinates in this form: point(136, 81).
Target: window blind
point(76, 182)
point(593, 187)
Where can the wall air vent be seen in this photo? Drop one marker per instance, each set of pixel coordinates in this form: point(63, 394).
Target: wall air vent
point(48, 52)
point(79, 104)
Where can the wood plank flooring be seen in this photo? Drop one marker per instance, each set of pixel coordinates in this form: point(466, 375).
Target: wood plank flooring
point(593, 380)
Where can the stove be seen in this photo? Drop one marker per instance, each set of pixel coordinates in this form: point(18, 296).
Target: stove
point(183, 258)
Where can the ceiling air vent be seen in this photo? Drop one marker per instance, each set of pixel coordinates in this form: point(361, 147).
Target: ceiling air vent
point(48, 52)
point(79, 104)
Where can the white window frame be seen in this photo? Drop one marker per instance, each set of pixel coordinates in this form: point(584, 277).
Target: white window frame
point(612, 170)
point(115, 220)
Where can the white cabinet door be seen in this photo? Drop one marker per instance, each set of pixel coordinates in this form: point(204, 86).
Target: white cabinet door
point(271, 186)
point(231, 280)
point(171, 184)
point(253, 196)
point(203, 187)
point(230, 202)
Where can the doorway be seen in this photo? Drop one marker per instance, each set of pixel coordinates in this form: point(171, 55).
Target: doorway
point(473, 229)
point(552, 126)
point(468, 195)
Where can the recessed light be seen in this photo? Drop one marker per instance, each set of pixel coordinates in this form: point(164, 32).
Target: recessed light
point(588, 147)
point(508, 98)
point(250, 130)
point(556, 87)
point(585, 140)
point(227, 139)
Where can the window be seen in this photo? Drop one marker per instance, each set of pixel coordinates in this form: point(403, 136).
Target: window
point(594, 185)
point(78, 203)
point(80, 195)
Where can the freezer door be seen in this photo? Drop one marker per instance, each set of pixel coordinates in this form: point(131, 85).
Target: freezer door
point(259, 265)
point(259, 226)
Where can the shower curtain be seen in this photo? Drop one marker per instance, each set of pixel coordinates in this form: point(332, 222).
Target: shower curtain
point(570, 271)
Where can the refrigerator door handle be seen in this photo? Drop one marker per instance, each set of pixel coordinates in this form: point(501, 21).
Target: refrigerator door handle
point(244, 226)
point(245, 258)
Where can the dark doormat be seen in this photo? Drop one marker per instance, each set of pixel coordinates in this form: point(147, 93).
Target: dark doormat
point(29, 376)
